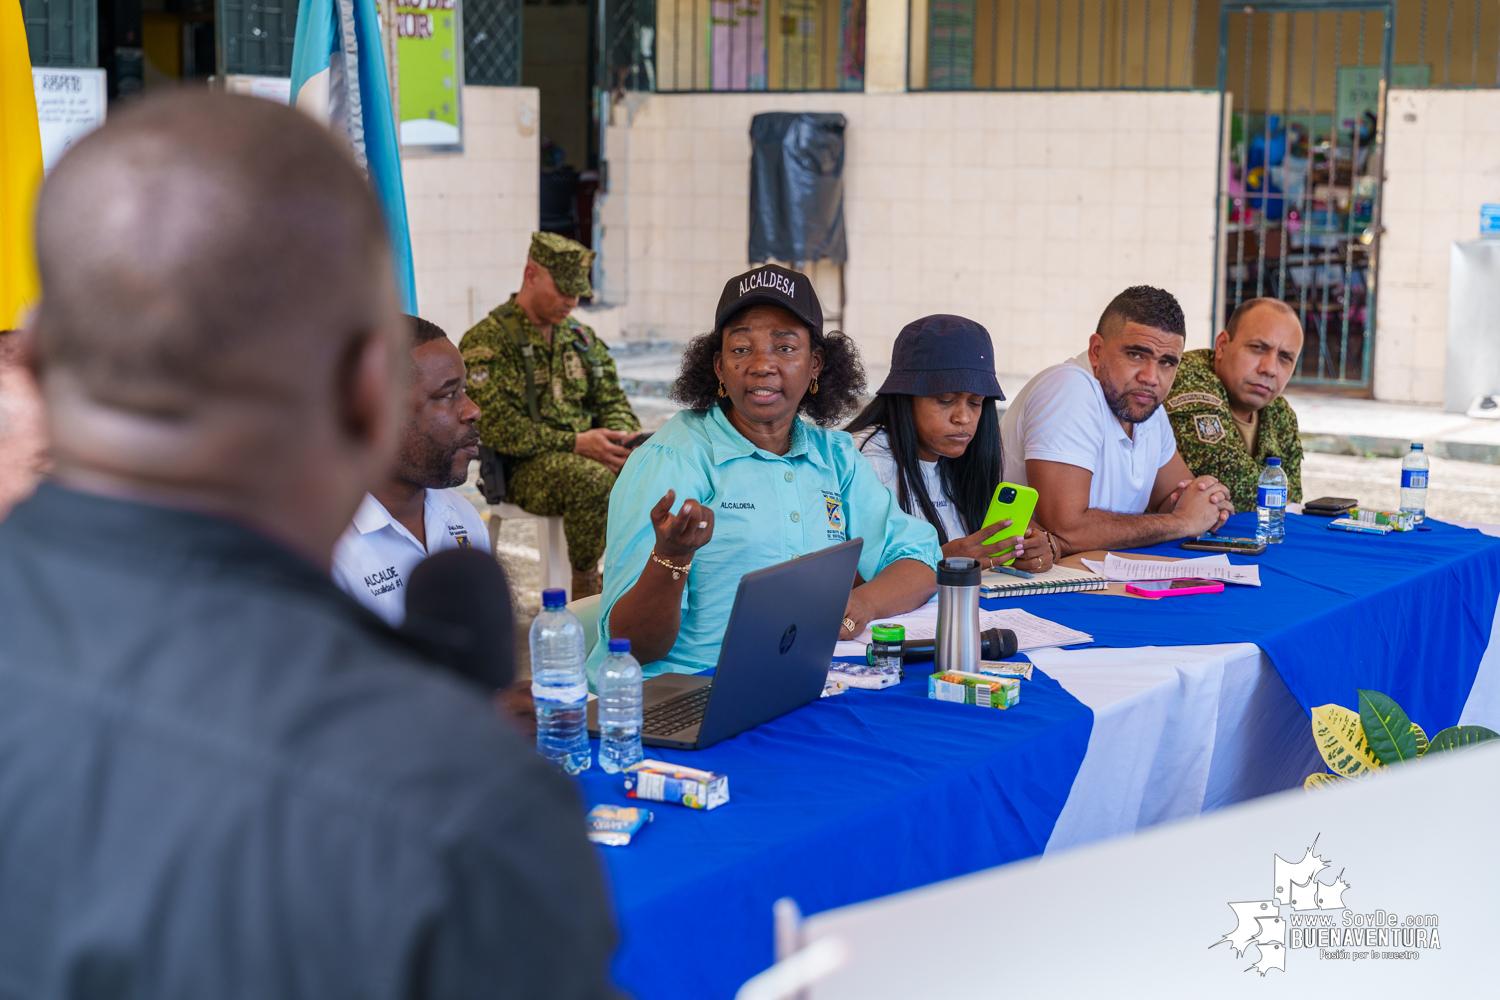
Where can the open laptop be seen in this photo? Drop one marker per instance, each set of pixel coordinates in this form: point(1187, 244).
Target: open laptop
point(774, 658)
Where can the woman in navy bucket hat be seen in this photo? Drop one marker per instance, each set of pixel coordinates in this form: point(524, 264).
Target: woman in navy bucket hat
point(933, 437)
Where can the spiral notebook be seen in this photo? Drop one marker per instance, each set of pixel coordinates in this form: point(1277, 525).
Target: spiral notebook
point(1057, 580)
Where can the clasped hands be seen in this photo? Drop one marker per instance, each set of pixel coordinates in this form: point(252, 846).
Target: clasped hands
point(1202, 504)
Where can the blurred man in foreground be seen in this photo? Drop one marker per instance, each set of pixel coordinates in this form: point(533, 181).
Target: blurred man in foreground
point(219, 776)
point(1236, 387)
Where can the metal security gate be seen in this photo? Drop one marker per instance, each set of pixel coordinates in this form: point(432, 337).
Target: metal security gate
point(1300, 195)
point(61, 32)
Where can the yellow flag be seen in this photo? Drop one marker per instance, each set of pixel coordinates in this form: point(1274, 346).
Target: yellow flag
point(20, 167)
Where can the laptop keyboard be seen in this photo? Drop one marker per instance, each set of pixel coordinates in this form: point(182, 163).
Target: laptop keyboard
point(676, 714)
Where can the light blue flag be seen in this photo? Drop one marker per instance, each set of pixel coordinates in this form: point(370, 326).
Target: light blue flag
point(338, 75)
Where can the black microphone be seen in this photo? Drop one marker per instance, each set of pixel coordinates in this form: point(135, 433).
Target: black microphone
point(458, 612)
point(994, 644)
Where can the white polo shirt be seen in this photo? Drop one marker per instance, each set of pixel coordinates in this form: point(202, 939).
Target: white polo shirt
point(376, 554)
point(1061, 415)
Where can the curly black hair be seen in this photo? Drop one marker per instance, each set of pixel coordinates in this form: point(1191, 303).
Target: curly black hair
point(1148, 306)
point(840, 383)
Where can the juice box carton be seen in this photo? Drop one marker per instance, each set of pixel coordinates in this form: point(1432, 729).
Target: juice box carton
point(1399, 520)
point(658, 781)
point(974, 689)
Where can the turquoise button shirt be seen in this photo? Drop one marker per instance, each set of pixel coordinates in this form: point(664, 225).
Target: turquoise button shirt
point(767, 509)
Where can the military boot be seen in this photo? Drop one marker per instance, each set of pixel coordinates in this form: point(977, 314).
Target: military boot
point(587, 583)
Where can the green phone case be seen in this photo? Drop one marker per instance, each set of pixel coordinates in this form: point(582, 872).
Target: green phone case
point(1019, 512)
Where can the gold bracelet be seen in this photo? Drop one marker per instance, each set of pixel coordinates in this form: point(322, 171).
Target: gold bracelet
point(677, 571)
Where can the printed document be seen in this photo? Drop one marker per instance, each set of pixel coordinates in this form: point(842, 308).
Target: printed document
point(1216, 567)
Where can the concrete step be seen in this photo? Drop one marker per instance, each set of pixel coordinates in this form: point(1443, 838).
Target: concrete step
point(1368, 427)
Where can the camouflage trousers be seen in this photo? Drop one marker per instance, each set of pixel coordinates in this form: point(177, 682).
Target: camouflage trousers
point(558, 483)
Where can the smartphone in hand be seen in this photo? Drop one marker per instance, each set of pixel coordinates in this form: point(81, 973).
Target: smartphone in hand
point(1016, 503)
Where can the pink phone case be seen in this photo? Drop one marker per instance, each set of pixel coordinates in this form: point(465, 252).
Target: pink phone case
point(1210, 587)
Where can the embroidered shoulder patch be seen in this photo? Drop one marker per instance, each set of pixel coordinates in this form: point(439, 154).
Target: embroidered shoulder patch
point(1209, 427)
point(572, 365)
point(479, 376)
point(478, 354)
point(1193, 399)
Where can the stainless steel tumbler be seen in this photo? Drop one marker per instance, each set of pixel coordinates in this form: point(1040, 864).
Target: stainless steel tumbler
point(958, 614)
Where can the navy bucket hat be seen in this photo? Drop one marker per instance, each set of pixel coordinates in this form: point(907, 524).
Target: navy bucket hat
point(938, 354)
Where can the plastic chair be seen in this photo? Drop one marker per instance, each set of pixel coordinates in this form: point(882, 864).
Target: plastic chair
point(587, 611)
point(557, 571)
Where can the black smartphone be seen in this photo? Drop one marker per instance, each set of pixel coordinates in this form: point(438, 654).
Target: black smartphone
point(1329, 506)
point(1211, 542)
point(638, 440)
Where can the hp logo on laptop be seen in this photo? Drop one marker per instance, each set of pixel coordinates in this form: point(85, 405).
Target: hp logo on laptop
point(787, 638)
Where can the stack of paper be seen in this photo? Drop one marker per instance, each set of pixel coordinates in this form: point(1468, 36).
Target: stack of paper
point(1218, 567)
point(1031, 632)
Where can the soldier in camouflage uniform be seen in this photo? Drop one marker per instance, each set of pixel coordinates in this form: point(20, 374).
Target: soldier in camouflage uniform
point(1226, 406)
point(565, 437)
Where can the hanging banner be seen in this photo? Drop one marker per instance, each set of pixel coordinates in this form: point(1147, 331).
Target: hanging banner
point(429, 59)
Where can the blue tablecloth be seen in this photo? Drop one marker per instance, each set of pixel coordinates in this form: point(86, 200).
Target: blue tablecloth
point(853, 797)
point(869, 793)
point(1408, 613)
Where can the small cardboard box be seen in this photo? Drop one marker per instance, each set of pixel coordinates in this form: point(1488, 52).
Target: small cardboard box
point(658, 781)
point(1397, 520)
point(974, 689)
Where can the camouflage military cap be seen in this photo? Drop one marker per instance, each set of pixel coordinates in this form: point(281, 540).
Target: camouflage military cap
point(568, 261)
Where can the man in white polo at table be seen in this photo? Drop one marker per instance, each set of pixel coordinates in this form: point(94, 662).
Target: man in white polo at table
point(1090, 436)
point(415, 512)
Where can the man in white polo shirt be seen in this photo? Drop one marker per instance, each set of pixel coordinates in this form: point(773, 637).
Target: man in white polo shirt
point(415, 513)
point(1089, 435)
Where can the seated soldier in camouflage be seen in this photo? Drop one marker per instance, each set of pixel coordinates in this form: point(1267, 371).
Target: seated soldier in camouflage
point(551, 401)
point(1226, 406)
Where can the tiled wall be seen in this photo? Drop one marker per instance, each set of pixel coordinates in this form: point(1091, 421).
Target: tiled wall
point(1027, 212)
point(1442, 163)
point(472, 214)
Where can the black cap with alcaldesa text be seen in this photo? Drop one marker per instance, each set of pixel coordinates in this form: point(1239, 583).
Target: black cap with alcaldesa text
point(771, 285)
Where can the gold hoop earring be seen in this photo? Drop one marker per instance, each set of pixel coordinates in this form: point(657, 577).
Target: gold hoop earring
point(723, 391)
point(814, 387)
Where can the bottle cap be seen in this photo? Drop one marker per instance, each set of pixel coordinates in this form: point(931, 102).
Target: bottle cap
point(888, 633)
point(1273, 460)
point(1416, 446)
point(619, 645)
point(554, 597)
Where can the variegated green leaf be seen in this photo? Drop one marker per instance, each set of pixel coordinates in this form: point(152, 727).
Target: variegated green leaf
point(1387, 728)
point(1420, 737)
point(1341, 741)
point(1315, 782)
point(1461, 737)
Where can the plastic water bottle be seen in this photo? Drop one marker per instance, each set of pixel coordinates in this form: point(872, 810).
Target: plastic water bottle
point(1414, 482)
point(1270, 503)
point(619, 685)
point(559, 685)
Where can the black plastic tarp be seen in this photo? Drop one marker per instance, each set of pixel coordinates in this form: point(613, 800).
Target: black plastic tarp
point(797, 187)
